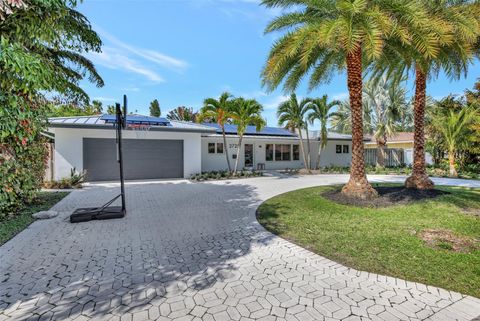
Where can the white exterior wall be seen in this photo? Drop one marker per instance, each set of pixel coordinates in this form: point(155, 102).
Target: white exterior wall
point(213, 162)
point(69, 147)
point(329, 156)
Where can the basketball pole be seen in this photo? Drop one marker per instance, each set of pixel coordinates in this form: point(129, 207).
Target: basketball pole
point(121, 123)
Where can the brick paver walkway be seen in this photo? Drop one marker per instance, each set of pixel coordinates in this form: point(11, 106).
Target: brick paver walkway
point(194, 251)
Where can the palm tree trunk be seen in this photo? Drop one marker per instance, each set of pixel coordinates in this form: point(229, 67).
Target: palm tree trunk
point(225, 147)
point(317, 165)
point(308, 149)
point(381, 153)
point(358, 185)
point(239, 148)
point(451, 162)
point(303, 149)
point(419, 178)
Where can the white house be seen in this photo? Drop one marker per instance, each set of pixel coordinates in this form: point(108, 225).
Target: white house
point(174, 149)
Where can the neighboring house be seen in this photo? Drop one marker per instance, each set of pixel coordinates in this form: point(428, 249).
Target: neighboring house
point(400, 140)
point(175, 149)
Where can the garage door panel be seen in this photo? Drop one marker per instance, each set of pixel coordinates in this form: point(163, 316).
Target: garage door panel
point(142, 159)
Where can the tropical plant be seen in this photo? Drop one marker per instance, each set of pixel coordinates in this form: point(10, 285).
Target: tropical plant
point(41, 48)
point(218, 110)
point(183, 113)
point(320, 109)
point(155, 108)
point(291, 115)
point(58, 109)
point(111, 110)
point(325, 37)
point(454, 127)
point(450, 47)
point(387, 102)
point(245, 112)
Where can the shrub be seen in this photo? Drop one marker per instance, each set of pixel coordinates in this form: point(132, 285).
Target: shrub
point(218, 175)
point(74, 181)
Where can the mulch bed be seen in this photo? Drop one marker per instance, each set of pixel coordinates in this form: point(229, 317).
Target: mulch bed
point(388, 196)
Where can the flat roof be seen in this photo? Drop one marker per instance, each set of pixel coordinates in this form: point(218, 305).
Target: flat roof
point(101, 122)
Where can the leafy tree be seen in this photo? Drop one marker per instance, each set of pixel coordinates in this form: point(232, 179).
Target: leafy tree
point(182, 113)
point(291, 115)
point(111, 110)
point(325, 37)
point(155, 108)
point(41, 42)
point(218, 110)
point(452, 40)
point(58, 109)
point(245, 112)
point(320, 109)
point(454, 126)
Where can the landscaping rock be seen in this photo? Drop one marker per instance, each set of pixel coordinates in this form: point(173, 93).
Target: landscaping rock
point(45, 215)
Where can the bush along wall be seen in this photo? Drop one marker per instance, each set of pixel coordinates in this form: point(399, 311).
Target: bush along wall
point(22, 152)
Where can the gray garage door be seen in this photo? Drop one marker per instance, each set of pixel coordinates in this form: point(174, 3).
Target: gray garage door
point(142, 159)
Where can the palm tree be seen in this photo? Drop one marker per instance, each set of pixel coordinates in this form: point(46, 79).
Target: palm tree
point(182, 113)
point(218, 110)
point(320, 110)
point(454, 126)
point(456, 29)
point(325, 37)
point(245, 112)
point(387, 102)
point(291, 114)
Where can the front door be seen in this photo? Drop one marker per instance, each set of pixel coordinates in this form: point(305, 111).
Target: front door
point(248, 155)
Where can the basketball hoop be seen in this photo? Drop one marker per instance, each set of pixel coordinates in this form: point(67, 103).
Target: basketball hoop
point(140, 130)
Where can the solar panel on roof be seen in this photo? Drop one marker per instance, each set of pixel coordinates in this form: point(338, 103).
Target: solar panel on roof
point(139, 120)
point(252, 130)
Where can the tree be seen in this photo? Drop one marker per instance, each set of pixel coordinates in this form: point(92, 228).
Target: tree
point(454, 31)
point(325, 37)
point(320, 110)
point(41, 48)
point(218, 110)
point(291, 114)
point(387, 102)
point(454, 126)
point(155, 108)
point(183, 113)
point(245, 112)
point(111, 110)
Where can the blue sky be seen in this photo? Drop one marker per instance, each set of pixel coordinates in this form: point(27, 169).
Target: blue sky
point(182, 51)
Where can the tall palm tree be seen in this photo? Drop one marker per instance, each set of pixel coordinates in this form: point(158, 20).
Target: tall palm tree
point(218, 110)
point(329, 36)
point(291, 114)
point(245, 112)
point(454, 126)
point(320, 110)
point(457, 28)
point(387, 102)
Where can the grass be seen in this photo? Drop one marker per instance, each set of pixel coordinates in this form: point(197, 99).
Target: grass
point(384, 240)
point(11, 226)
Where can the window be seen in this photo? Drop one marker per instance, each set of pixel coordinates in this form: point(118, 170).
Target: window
point(345, 149)
point(286, 151)
point(269, 152)
point(338, 149)
point(296, 152)
point(211, 148)
point(220, 148)
point(278, 152)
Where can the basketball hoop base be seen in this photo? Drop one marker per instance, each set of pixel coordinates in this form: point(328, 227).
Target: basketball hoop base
point(96, 213)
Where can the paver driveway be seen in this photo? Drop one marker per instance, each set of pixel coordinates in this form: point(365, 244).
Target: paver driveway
point(194, 251)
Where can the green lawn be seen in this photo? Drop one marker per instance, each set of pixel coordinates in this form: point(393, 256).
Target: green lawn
point(386, 240)
point(14, 225)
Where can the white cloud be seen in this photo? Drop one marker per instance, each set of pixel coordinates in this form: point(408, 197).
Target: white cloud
point(114, 59)
point(340, 96)
point(148, 54)
point(272, 104)
point(104, 99)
